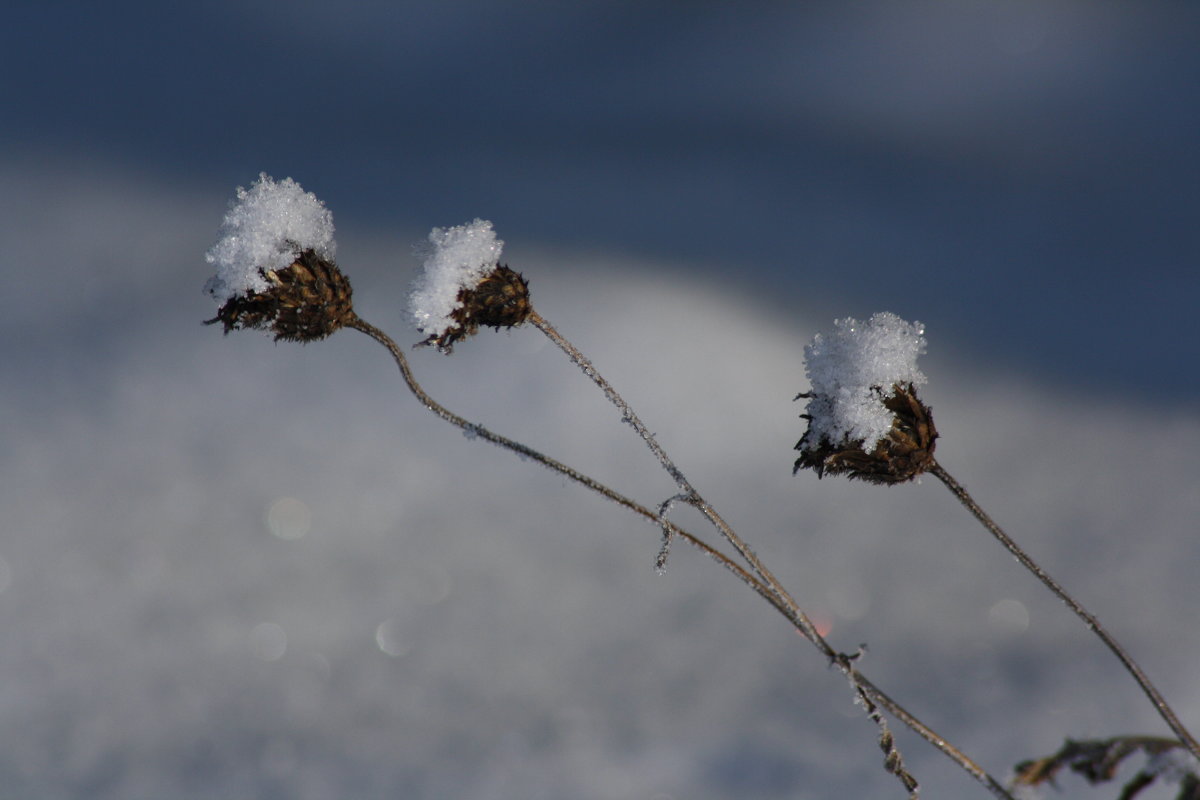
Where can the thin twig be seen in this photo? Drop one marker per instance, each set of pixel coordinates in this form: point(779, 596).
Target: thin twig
point(925, 732)
point(1088, 619)
point(689, 491)
point(775, 595)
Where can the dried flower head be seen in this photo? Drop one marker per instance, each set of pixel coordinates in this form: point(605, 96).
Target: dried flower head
point(864, 417)
point(275, 268)
point(306, 301)
point(464, 287)
point(500, 300)
point(901, 454)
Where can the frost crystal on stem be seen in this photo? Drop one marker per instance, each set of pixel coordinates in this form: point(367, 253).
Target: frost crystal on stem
point(863, 414)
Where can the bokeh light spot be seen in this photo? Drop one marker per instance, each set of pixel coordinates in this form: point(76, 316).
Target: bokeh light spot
point(822, 621)
point(1009, 615)
point(849, 599)
point(390, 638)
point(268, 641)
point(289, 518)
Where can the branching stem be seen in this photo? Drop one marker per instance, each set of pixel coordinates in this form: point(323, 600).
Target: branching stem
point(763, 583)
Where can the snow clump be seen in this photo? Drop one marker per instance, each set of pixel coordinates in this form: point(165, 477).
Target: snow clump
point(456, 258)
point(265, 228)
point(853, 369)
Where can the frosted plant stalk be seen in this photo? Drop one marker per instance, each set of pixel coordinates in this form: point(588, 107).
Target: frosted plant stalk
point(864, 419)
point(1156, 699)
point(867, 692)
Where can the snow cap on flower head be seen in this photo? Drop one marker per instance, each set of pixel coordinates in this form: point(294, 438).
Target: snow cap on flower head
point(464, 287)
point(864, 416)
point(275, 268)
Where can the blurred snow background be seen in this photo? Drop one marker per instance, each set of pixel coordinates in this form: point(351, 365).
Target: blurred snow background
point(235, 569)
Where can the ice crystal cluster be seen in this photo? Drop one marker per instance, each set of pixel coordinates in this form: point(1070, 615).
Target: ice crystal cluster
point(853, 369)
point(456, 258)
point(264, 230)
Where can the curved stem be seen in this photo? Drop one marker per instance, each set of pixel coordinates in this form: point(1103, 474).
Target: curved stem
point(769, 590)
point(553, 464)
point(1089, 620)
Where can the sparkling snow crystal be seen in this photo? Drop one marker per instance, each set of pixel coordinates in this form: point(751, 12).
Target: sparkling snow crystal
point(459, 257)
point(266, 227)
point(853, 368)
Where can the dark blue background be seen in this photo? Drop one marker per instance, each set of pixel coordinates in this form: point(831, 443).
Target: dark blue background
point(1022, 178)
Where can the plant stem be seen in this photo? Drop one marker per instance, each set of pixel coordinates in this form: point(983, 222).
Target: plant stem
point(689, 492)
point(1088, 619)
point(769, 589)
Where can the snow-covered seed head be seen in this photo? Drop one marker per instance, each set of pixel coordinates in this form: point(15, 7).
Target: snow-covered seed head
point(275, 268)
point(864, 417)
point(306, 301)
point(501, 299)
point(900, 455)
point(464, 287)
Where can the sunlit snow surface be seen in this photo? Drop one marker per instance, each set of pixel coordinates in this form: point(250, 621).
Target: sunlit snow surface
point(232, 568)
